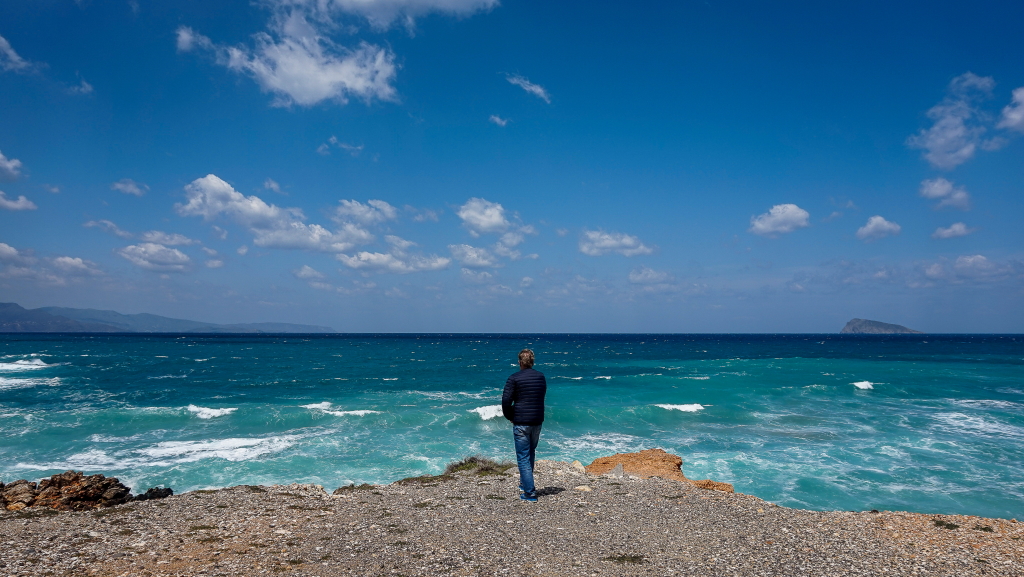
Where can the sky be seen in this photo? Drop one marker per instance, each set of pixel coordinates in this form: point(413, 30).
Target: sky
point(517, 166)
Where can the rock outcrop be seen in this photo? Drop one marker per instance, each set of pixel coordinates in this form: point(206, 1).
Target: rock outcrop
point(72, 491)
point(866, 327)
point(651, 463)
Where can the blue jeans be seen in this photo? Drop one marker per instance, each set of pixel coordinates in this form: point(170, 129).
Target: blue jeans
point(526, 438)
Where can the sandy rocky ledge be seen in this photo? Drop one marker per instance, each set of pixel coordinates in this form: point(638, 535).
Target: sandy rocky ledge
point(606, 519)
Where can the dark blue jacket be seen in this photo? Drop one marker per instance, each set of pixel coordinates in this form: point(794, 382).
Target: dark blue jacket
point(522, 402)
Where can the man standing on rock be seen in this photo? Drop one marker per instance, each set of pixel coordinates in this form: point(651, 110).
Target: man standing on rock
point(522, 402)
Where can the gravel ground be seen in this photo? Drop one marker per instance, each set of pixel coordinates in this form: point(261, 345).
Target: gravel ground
point(472, 524)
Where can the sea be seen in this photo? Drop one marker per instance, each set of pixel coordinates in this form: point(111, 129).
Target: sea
point(922, 423)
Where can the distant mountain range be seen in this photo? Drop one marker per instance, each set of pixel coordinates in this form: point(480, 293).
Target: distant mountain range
point(16, 319)
point(866, 327)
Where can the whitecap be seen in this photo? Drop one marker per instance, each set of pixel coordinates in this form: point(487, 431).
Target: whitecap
point(865, 385)
point(977, 425)
point(607, 378)
point(169, 377)
point(394, 379)
point(208, 413)
point(24, 365)
point(570, 378)
point(487, 413)
point(322, 406)
point(6, 383)
point(693, 408)
point(697, 378)
point(233, 449)
point(357, 412)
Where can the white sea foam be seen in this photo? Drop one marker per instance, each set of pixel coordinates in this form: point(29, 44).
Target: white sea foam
point(358, 413)
point(602, 443)
point(394, 379)
point(208, 413)
point(684, 408)
point(607, 378)
point(865, 385)
point(24, 365)
point(487, 413)
point(169, 377)
point(702, 378)
point(6, 383)
point(322, 406)
point(988, 404)
point(570, 378)
point(977, 425)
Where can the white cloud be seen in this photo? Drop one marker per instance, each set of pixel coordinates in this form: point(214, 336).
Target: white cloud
point(188, 40)
point(483, 216)
point(173, 239)
point(272, 185)
point(388, 262)
point(953, 197)
point(10, 168)
point(952, 231)
point(598, 242)
point(1013, 113)
point(495, 119)
point(152, 256)
point(424, 215)
point(877, 227)
point(645, 275)
point(476, 277)
point(11, 255)
point(214, 263)
point(242, 250)
point(108, 226)
point(129, 186)
point(21, 203)
point(780, 219)
point(208, 251)
point(373, 212)
point(974, 266)
point(526, 282)
point(298, 63)
point(9, 59)
point(75, 266)
point(956, 132)
point(383, 13)
point(271, 226)
point(308, 273)
point(82, 88)
point(534, 89)
point(352, 149)
point(473, 257)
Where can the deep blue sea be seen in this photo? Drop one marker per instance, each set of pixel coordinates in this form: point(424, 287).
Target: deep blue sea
point(923, 423)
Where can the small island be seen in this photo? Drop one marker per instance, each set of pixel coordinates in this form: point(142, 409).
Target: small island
point(866, 327)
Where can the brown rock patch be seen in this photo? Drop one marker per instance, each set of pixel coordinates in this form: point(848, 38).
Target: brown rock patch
point(652, 463)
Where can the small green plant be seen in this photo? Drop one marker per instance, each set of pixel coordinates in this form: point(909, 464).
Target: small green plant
point(946, 524)
point(255, 489)
point(295, 561)
point(623, 559)
point(478, 465)
point(36, 513)
point(422, 505)
point(352, 488)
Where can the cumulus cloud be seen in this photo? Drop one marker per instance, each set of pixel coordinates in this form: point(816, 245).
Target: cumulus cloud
point(373, 212)
point(308, 273)
point(473, 257)
point(272, 185)
point(1013, 113)
point(214, 263)
point(271, 226)
point(482, 216)
point(940, 188)
point(10, 168)
point(108, 226)
point(476, 277)
point(974, 266)
point(952, 231)
point(495, 119)
point(352, 149)
point(534, 89)
point(956, 132)
point(877, 227)
point(156, 257)
point(82, 87)
point(10, 61)
point(11, 255)
point(129, 186)
point(646, 275)
point(173, 239)
point(21, 203)
point(396, 260)
point(598, 242)
point(76, 266)
point(296, 61)
point(388, 262)
point(780, 219)
point(381, 14)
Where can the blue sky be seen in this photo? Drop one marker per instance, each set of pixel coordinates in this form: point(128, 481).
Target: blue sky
point(474, 165)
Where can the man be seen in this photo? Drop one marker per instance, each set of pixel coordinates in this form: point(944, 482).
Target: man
point(522, 402)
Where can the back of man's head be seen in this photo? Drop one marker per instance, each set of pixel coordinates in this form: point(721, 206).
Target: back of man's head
point(526, 359)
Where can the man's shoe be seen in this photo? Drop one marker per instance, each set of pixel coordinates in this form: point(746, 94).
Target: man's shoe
point(528, 498)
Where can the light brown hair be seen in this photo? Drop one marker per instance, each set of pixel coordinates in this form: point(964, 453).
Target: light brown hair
point(526, 358)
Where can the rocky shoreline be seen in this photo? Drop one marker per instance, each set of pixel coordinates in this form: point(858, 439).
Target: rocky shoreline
point(610, 518)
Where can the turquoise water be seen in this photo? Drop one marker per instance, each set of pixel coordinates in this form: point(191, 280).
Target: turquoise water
point(920, 423)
